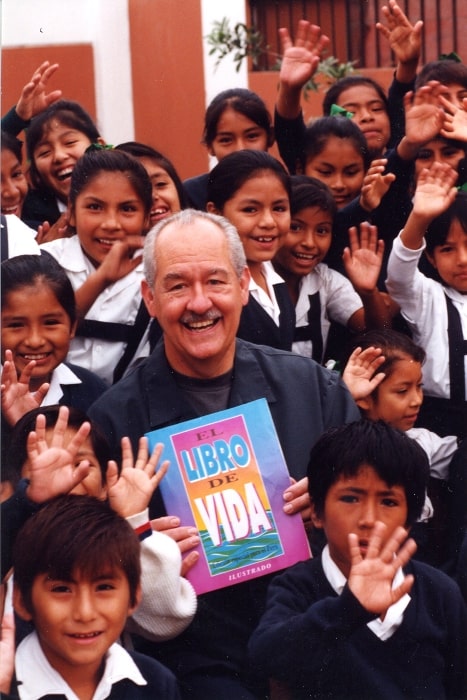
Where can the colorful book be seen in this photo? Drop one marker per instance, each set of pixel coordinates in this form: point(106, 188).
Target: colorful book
point(226, 477)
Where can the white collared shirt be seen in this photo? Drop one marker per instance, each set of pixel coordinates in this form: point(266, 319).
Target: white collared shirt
point(118, 303)
point(61, 375)
point(267, 301)
point(383, 629)
point(423, 305)
point(36, 677)
point(338, 302)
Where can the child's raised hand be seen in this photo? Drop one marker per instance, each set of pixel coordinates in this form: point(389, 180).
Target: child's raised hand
point(120, 259)
point(34, 98)
point(424, 115)
point(361, 374)
point(455, 120)
point(130, 492)
point(300, 59)
point(16, 399)
point(363, 257)
point(435, 190)
point(53, 468)
point(375, 184)
point(370, 578)
point(404, 37)
point(47, 232)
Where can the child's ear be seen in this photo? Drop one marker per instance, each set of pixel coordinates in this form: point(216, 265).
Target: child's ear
point(138, 597)
point(19, 605)
point(271, 137)
point(315, 518)
point(364, 404)
point(212, 209)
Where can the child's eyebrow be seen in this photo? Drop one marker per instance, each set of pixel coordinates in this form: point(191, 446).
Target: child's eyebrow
point(361, 492)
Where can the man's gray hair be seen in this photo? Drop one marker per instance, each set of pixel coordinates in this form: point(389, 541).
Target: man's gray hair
point(188, 217)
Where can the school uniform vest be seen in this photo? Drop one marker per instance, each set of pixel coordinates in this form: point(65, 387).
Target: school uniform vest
point(257, 326)
point(449, 416)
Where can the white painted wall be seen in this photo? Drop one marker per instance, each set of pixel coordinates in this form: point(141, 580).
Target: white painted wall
point(225, 76)
point(102, 23)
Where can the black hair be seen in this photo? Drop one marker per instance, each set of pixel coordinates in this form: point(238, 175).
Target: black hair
point(438, 230)
point(231, 173)
point(65, 112)
point(75, 534)
point(394, 345)
point(17, 453)
point(11, 143)
point(332, 95)
point(31, 270)
point(446, 72)
point(396, 458)
point(240, 100)
point(96, 161)
point(141, 150)
point(311, 192)
point(318, 133)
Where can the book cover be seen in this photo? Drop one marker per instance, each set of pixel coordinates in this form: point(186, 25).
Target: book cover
point(226, 477)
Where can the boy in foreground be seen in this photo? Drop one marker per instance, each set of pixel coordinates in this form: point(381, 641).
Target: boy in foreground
point(361, 620)
point(77, 578)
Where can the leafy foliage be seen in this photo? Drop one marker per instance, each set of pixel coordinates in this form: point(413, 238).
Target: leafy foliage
point(246, 42)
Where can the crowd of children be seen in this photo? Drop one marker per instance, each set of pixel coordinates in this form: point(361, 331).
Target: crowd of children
point(356, 249)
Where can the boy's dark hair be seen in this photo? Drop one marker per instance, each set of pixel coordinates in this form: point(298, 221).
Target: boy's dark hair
point(11, 143)
point(65, 112)
point(30, 270)
point(446, 71)
point(75, 533)
point(438, 230)
point(318, 133)
point(332, 95)
point(394, 346)
point(311, 192)
point(234, 170)
point(17, 452)
point(395, 457)
point(141, 150)
point(94, 162)
point(240, 100)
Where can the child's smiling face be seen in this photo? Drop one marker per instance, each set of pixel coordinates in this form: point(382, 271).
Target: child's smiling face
point(78, 620)
point(450, 258)
point(35, 326)
point(56, 154)
point(105, 211)
point(307, 241)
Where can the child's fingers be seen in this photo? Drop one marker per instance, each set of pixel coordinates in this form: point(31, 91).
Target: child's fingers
point(188, 562)
point(32, 447)
point(142, 456)
point(127, 453)
point(78, 438)
point(354, 549)
point(375, 542)
point(158, 475)
point(41, 393)
point(61, 425)
point(111, 474)
point(40, 431)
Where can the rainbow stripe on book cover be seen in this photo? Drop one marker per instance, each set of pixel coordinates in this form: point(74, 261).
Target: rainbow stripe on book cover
point(226, 477)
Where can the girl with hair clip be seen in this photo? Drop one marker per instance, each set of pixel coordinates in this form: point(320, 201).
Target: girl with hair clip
point(236, 119)
point(252, 190)
point(109, 204)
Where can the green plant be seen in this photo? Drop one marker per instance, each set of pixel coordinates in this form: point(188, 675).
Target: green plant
point(247, 42)
point(243, 41)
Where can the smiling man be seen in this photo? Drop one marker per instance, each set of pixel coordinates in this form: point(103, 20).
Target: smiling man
point(196, 286)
